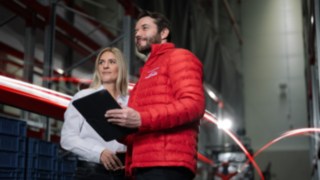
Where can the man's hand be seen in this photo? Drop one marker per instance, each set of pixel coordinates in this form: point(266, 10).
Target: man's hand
point(126, 117)
point(110, 161)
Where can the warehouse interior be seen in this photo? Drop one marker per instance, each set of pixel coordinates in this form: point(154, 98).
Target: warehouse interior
point(260, 61)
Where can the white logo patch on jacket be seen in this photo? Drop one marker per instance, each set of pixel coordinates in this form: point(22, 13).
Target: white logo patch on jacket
point(152, 73)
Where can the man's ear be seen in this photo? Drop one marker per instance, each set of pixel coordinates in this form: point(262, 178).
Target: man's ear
point(164, 34)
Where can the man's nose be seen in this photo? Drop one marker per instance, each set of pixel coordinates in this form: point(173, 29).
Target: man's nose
point(137, 34)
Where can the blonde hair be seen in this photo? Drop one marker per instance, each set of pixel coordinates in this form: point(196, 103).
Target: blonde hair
point(122, 80)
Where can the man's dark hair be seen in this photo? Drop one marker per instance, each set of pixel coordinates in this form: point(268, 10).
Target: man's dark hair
point(159, 19)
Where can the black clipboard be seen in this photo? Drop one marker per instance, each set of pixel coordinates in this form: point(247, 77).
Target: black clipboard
point(93, 108)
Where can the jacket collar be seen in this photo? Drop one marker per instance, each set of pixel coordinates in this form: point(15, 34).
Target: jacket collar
point(158, 49)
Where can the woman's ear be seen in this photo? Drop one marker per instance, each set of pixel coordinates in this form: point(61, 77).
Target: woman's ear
point(164, 34)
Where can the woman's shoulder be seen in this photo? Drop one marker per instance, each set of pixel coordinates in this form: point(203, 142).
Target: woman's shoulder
point(83, 92)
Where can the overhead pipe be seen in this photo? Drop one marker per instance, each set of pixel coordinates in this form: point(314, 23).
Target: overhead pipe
point(19, 55)
point(84, 60)
point(233, 21)
point(40, 23)
point(8, 20)
point(62, 24)
point(91, 19)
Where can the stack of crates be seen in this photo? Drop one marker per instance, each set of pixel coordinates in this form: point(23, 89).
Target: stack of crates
point(41, 160)
point(29, 158)
point(67, 165)
point(12, 148)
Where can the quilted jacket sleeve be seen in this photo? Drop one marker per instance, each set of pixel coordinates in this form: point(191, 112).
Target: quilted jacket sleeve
point(185, 74)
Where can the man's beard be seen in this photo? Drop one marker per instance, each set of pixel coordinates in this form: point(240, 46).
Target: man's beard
point(144, 49)
point(147, 48)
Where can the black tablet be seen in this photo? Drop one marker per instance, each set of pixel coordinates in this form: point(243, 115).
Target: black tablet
point(93, 108)
point(121, 156)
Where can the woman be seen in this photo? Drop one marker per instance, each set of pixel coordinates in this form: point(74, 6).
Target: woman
point(97, 158)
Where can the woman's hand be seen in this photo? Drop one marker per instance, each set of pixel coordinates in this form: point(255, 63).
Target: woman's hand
point(110, 161)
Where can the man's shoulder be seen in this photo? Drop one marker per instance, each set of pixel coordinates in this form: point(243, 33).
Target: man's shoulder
point(180, 51)
point(182, 55)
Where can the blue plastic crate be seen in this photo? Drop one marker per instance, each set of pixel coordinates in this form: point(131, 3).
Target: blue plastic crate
point(37, 175)
point(13, 127)
point(66, 176)
point(40, 162)
point(40, 147)
point(17, 174)
point(12, 143)
point(67, 166)
point(12, 160)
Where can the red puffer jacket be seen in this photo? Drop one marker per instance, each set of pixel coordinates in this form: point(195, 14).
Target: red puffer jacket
point(170, 99)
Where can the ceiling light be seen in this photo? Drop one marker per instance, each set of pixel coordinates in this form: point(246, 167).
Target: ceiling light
point(225, 124)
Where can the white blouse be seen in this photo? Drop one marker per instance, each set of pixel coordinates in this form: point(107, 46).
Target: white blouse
point(80, 138)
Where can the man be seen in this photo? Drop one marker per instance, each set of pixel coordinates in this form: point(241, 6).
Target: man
point(166, 106)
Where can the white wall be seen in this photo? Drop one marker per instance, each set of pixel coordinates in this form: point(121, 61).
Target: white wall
point(273, 54)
